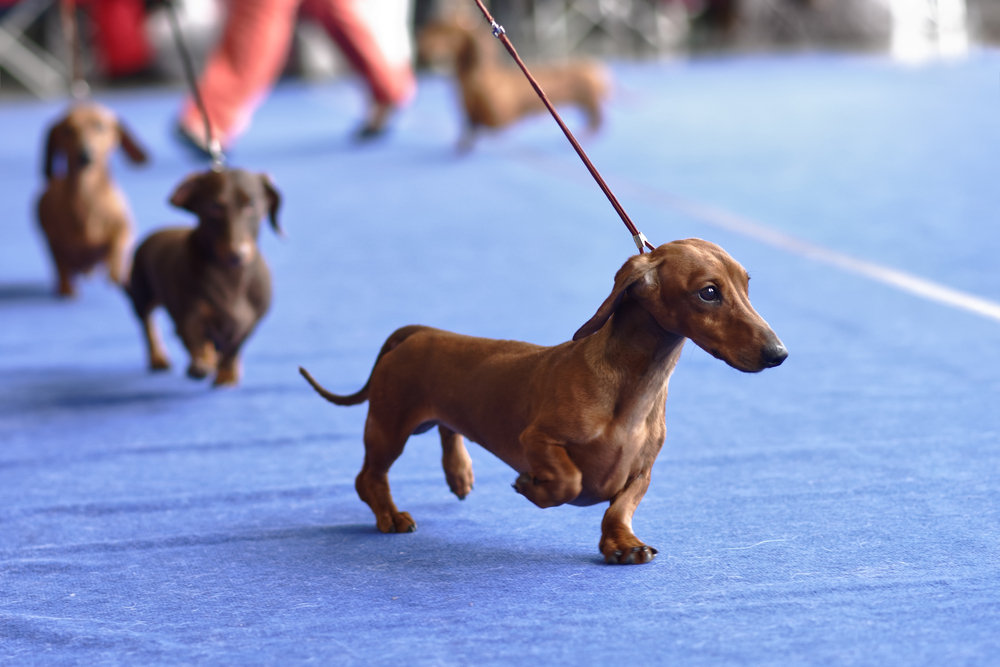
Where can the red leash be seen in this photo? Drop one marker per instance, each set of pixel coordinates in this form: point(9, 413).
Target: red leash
point(501, 34)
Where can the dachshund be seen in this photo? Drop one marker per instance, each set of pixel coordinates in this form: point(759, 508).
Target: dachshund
point(212, 278)
point(581, 422)
point(83, 214)
point(495, 96)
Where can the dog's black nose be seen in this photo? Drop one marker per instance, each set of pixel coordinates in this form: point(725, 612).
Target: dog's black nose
point(85, 158)
point(773, 355)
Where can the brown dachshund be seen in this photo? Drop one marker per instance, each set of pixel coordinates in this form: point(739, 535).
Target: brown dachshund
point(212, 279)
point(495, 96)
point(581, 422)
point(83, 214)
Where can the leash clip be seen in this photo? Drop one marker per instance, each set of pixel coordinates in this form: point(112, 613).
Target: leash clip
point(79, 89)
point(497, 29)
point(218, 160)
point(640, 241)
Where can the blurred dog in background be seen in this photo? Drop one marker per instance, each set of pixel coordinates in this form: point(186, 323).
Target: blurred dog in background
point(496, 96)
point(211, 278)
point(84, 216)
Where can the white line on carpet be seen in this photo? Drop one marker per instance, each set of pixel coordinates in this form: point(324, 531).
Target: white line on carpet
point(716, 217)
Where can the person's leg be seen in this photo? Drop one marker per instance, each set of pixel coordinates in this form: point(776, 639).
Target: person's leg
point(242, 68)
point(391, 84)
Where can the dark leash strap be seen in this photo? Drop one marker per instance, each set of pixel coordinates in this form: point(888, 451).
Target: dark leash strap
point(78, 86)
point(211, 143)
point(501, 34)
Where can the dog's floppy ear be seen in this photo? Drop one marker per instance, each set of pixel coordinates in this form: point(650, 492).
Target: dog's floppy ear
point(53, 146)
point(186, 194)
point(467, 56)
point(131, 147)
point(639, 268)
point(273, 203)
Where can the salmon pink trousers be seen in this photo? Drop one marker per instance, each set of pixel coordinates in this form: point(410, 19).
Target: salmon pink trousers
point(252, 51)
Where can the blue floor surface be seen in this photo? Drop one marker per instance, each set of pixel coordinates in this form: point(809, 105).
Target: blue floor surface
point(842, 509)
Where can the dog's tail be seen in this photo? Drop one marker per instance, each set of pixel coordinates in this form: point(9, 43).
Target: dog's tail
point(360, 396)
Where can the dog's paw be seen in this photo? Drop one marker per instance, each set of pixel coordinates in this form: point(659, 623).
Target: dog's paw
point(630, 556)
point(228, 374)
point(226, 379)
point(523, 482)
point(198, 371)
point(159, 364)
point(460, 485)
point(458, 474)
point(401, 522)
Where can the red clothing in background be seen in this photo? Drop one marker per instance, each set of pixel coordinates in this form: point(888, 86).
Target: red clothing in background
point(252, 53)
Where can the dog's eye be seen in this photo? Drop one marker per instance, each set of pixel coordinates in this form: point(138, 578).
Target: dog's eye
point(709, 294)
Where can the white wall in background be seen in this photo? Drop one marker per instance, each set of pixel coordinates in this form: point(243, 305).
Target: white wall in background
point(201, 24)
point(389, 21)
point(925, 29)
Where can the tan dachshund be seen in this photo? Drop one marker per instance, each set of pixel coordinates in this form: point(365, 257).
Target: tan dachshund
point(211, 278)
point(82, 212)
point(582, 422)
point(495, 96)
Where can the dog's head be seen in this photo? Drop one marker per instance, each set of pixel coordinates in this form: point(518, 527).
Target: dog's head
point(693, 288)
point(85, 138)
point(230, 205)
point(453, 41)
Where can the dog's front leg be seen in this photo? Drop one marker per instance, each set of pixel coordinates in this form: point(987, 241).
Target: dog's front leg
point(117, 259)
point(618, 543)
point(229, 372)
point(229, 368)
point(193, 334)
point(456, 462)
point(552, 478)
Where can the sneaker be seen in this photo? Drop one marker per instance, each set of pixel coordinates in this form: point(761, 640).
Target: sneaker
point(377, 123)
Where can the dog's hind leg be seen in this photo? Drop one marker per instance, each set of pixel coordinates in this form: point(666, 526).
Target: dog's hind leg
point(144, 303)
point(456, 462)
point(595, 117)
point(618, 543)
point(64, 286)
point(158, 360)
point(382, 448)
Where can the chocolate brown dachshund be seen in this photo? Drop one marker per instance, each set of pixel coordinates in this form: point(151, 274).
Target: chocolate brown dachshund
point(495, 96)
point(581, 422)
point(82, 212)
point(211, 278)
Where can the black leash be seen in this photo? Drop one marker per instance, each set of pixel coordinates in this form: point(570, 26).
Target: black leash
point(78, 86)
point(212, 144)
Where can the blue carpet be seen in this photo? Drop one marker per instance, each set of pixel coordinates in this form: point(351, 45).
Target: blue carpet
point(842, 509)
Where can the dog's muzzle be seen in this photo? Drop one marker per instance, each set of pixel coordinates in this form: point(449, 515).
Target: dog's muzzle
point(773, 355)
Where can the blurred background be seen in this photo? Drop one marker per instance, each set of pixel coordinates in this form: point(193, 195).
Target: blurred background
point(128, 42)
